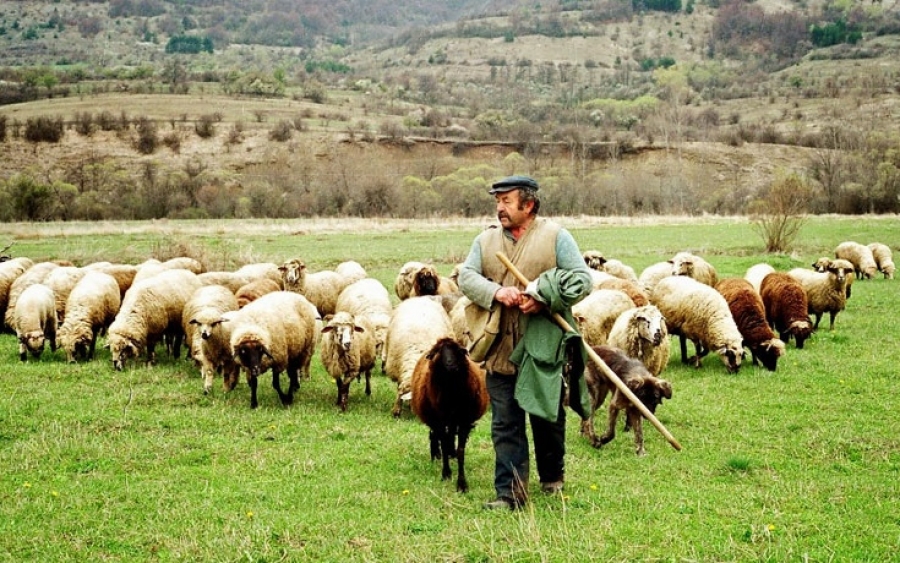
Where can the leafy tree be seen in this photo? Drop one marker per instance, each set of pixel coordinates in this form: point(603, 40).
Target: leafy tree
point(29, 200)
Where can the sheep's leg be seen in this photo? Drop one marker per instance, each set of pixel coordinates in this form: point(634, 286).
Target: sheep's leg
point(634, 419)
point(92, 345)
point(462, 485)
point(286, 398)
point(610, 433)
point(434, 443)
point(833, 314)
point(818, 318)
point(343, 386)
point(447, 451)
point(398, 405)
point(683, 342)
point(368, 382)
point(176, 345)
point(251, 381)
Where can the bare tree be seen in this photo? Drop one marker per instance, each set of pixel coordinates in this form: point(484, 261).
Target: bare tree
point(779, 212)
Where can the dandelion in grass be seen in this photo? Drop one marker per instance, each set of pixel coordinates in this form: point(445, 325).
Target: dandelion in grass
point(54, 493)
point(594, 487)
point(771, 527)
point(27, 485)
point(249, 514)
point(405, 491)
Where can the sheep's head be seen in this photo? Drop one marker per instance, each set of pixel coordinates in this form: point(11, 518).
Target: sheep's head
point(252, 353)
point(341, 327)
point(651, 325)
point(32, 342)
point(122, 349)
point(426, 281)
point(293, 272)
point(800, 330)
point(768, 353)
point(732, 355)
point(682, 265)
point(594, 259)
point(841, 270)
point(888, 269)
point(821, 264)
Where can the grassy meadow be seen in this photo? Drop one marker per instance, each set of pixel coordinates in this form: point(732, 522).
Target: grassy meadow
point(798, 465)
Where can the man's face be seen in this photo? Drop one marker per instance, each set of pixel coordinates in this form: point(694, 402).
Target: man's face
point(510, 210)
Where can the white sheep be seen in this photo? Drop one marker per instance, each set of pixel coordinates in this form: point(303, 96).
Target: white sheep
point(416, 325)
point(693, 266)
point(756, 273)
point(652, 274)
point(596, 314)
point(642, 334)
point(251, 291)
point(860, 256)
point(321, 288)
point(150, 312)
point(368, 297)
point(351, 271)
point(695, 311)
point(884, 260)
point(826, 292)
point(276, 332)
point(62, 280)
point(184, 263)
point(217, 298)
point(34, 320)
point(124, 275)
point(10, 270)
point(35, 274)
point(620, 270)
point(92, 306)
point(213, 328)
point(348, 351)
point(416, 279)
point(257, 270)
point(231, 280)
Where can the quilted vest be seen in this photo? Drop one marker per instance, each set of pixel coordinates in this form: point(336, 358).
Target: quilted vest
point(532, 254)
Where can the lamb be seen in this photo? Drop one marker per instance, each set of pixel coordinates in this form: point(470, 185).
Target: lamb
point(10, 270)
point(642, 334)
point(594, 259)
point(826, 292)
point(650, 389)
point(368, 297)
point(652, 274)
point(35, 274)
point(449, 396)
point(692, 266)
point(884, 260)
point(217, 299)
point(860, 256)
point(150, 312)
point(254, 290)
point(416, 325)
point(749, 315)
point(620, 270)
point(596, 313)
point(62, 280)
point(91, 307)
point(347, 351)
point(695, 311)
point(34, 320)
point(214, 329)
point(276, 332)
point(786, 307)
point(756, 273)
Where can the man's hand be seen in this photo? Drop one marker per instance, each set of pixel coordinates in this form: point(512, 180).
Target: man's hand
point(529, 305)
point(509, 296)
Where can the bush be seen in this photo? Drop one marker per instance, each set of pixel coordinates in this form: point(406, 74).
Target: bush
point(205, 127)
point(173, 141)
point(2, 128)
point(282, 131)
point(778, 214)
point(84, 123)
point(43, 129)
point(148, 137)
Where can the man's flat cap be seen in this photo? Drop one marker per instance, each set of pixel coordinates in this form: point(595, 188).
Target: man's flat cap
point(513, 183)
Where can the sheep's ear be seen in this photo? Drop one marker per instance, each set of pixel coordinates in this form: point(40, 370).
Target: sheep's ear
point(357, 328)
point(664, 387)
point(327, 328)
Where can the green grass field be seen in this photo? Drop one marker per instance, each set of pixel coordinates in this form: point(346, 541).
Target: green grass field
point(798, 465)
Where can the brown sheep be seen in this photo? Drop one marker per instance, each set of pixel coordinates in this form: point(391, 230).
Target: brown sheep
point(649, 389)
point(254, 290)
point(784, 300)
point(449, 395)
point(750, 316)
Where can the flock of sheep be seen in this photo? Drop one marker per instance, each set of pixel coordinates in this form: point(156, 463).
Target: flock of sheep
point(273, 318)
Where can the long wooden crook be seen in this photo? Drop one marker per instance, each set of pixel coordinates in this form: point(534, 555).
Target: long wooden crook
point(610, 374)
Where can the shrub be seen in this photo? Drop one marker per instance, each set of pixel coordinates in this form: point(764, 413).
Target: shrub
point(282, 131)
point(205, 127)
point(173, 141)
point(148, 137)
point(84, 123)
point(2, 128)
point(44, 129)
point(778, 214)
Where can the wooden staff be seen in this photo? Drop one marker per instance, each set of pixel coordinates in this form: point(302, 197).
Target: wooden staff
point(610, 374)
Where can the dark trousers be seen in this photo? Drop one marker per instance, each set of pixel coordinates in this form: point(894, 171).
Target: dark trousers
point(510, 439)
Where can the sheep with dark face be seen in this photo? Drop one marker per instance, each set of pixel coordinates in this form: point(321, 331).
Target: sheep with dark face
point(648, 388)
point(417, 279)
point(750, 317)
point(276, 332)
point(449, 395)
point(695, 311)
point(784, 300)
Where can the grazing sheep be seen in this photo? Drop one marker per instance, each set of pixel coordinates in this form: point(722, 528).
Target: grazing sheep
point(214, 329)
point(596, 314)
point(347, 351)
point(220, 300)
point(10, 270)
point(254, 290)
point(756, 273)
point(184, 263)
point(35, 274)
point(151, 312)
point(618, 269)
point(449, 396)
point(250, 272)
point(647, 387)
point(884, 260)
point(786, 307)
point(695, 311)
point(92, 306)
point(629, 287)
point(276, 332)
point(860, 256)
point(351, 271)
point(416, 325)
point(230, 280)
point(652, 274)
point(62, 280)
point(124, 275)
point(642, 334)
point(34, 320)
point(692, 266)
point(826, 292)
point(368, 297)
point(594, 259)
point(749, 315)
